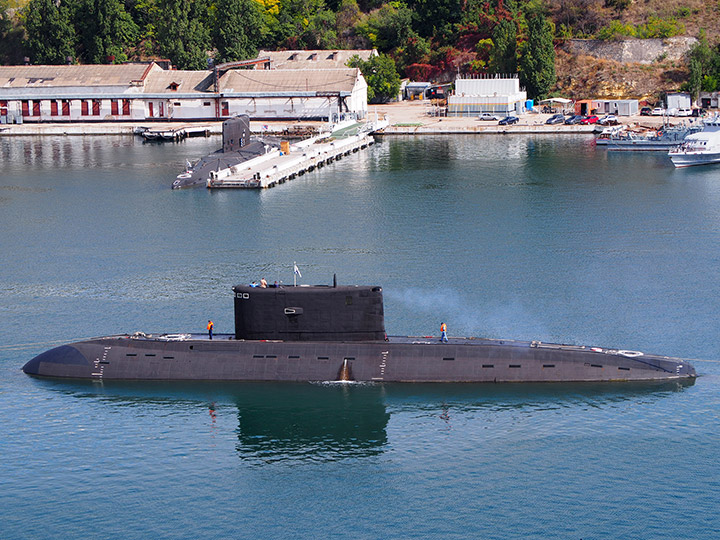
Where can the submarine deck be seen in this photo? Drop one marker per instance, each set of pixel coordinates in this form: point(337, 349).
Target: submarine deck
point(411, 340)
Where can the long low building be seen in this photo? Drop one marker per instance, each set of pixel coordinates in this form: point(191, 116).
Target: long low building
point(132, 92)
point(495, 95)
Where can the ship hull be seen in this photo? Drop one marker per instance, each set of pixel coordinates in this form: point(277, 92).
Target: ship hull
point(397, 360)
point(681, 159)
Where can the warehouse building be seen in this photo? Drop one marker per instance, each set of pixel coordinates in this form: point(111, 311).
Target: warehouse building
point(495, 95)
point(136, 92)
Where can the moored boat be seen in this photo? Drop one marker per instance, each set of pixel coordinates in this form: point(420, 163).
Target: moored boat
point(649, 140)
point(701, 148)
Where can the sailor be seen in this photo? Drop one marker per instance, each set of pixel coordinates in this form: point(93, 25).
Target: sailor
point(263, 283)
point(254, 284)
point(210, 328)
point(443, 333)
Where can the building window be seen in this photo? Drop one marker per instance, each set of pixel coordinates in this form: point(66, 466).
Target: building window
point(177, 104)
point(173, 86)
point(65, 107)
point(96, 107)
point(206, 104)
point(53, 108)
point(84, 107)
point(114, 107)
point(151, 110)
point(126, 107)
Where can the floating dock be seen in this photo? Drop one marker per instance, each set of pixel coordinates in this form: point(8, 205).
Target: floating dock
point(290, 161)
point(177, 133)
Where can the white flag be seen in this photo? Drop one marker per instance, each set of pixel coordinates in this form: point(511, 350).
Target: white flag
point(297, 270)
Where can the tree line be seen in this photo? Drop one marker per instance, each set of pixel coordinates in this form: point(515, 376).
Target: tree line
point(420, 39)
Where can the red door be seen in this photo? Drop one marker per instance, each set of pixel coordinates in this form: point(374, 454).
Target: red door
point(84, 108)
point(225, 109)
point(162, 113)
point(66, 107)
point(25, 108)
point(150, 109)
point(126, 107)
point(96, 107)
point(114, 107)
point(36, 108)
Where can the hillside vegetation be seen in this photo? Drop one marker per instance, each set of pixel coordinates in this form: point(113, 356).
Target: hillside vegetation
point(425, 39)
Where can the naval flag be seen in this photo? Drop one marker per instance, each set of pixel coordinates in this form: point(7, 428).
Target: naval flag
point(297, 270)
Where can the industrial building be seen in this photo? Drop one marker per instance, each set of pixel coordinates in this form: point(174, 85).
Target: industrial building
point(495, 95)
point(132, 92)
point(314, 59)
point(619, 107)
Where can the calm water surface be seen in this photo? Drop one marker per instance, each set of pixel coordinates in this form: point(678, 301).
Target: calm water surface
point(516, 237)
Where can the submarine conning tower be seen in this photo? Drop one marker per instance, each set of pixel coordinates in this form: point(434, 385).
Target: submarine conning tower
point(309, 313)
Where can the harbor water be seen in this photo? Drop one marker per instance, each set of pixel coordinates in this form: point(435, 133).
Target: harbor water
point(526, 237)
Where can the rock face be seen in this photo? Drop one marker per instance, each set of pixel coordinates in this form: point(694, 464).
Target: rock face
point(629, 51)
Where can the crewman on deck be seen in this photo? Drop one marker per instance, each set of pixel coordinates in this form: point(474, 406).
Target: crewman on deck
point(210, 328)
point(263, 283)
point(443, 333)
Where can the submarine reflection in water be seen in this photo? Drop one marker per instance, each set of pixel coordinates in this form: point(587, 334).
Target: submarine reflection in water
point(315, 422)
point(324, 422)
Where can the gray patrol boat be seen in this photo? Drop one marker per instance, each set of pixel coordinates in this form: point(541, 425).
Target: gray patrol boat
point(329, 333)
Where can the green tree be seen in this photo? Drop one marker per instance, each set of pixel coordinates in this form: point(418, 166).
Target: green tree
point(50, 34)
point(238, 29)
point(388, 27)
point(381, 76)
point(503, 55)
point(696, 78)
point(436, 18)
point(537, 60)
point(181, 32)
point(104, 30)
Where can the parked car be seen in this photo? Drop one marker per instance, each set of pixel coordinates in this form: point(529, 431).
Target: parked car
point(508, 120)
point(685, 111)
point(487, 116)
point(609, 120)
point(575, 119)
point(555, 119)
point(658, 111)
point(698, 112)
point(592, 119)
point(645, 111)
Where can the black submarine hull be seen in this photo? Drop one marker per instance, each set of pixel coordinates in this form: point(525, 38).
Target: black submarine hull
point(400, 359)
point(328, 333)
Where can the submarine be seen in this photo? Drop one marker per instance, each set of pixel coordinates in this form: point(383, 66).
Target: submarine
point(237, 148)
point(337, 333)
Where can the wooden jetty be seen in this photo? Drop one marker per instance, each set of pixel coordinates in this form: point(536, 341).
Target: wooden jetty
point(290, 161)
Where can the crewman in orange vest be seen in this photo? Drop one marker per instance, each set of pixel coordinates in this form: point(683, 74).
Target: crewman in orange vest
point(210, 328)
point(443, 333)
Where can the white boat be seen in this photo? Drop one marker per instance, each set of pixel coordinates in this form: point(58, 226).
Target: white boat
point(699, 148)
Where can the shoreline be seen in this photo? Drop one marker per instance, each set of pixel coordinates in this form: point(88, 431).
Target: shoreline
point(406, 118)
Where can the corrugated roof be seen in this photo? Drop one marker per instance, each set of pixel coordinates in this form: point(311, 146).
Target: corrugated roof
point(316, 59)
point(289, 80)
point(176, 81)
point(63, 76)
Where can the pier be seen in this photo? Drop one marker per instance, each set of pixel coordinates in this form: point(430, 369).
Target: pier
point(290, 161)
